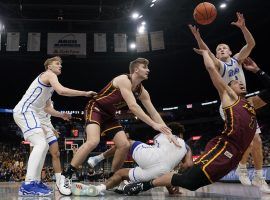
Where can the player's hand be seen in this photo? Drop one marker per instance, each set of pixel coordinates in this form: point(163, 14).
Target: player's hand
point(65, 116)
point(250, 65)
point(173, 139)
point(240, 23)
point(162, 128)
point(90, 93)
point(173, 190)
point(195, 31)
point(200, 51)
point(56, 133)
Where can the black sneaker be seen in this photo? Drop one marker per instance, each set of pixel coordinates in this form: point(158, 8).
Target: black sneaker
point(133, 189)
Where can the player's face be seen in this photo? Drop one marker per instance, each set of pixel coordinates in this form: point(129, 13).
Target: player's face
point(143, 71)
point(56, 67)
point(238, 87)
point(223, 52)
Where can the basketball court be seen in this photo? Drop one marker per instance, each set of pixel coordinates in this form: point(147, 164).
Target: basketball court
point(217, 191)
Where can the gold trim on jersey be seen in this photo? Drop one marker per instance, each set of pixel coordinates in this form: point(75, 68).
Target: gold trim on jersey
point(236, 102)
point(229, 120)
point(210, 151)
point(103, 132)
point(210, 161)
point(108, 94)
point(105, 90)
point(87, 110)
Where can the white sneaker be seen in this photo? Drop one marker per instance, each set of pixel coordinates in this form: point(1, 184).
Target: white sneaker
point(64, 186)
point(243, 175)
point(261, 183)
point(80, 189)
point(93, 161)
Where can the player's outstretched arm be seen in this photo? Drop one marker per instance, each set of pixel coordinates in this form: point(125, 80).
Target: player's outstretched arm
point(50, 110)
point(147, 103)
point(64, 91)
point(124, 84)
point(250, 42)
point(202, 45)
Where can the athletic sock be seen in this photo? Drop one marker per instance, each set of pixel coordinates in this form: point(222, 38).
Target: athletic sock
point(69, 172)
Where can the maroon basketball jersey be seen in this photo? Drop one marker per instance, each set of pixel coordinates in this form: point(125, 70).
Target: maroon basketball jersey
point(240, 124)
point(110, 99)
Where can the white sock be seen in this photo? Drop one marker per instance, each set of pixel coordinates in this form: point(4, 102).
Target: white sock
point(242, 165)
point(100, 157)
point(57, 177)
point(35, 159)
point(259, 173)
point(101, 188)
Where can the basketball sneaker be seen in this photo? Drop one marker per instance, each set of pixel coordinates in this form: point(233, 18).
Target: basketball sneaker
point(242, 172)
point(133, 189)
point(44, 186)
point(64, 185)
point(261, 184)
point(93, 161)
point(33, 189)
point(80, 189)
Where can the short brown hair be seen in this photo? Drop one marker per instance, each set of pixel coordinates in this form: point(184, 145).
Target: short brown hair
point(177, 128)
point(133, 64)
point(50, 60)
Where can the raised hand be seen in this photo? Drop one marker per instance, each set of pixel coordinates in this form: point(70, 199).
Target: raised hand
point(240, 23)
point(200, 51)
point(250, 65)
point(195, 31)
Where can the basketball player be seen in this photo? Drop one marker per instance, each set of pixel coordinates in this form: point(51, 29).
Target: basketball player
point(230, 68)
point(153, 161)
point(223, 152)
point(121, 93)
point(26, 117)
point(51, 138)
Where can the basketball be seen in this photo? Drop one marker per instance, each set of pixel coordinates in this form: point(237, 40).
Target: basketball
point(205, 13)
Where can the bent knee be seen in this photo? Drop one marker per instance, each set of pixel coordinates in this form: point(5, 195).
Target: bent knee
point(124, 146)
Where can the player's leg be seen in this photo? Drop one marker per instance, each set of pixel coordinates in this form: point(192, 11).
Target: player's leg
point(259, 179)
point(93, 138)
point(93, 161)
point(241, 169)
point(122, 147)
point(30, 126)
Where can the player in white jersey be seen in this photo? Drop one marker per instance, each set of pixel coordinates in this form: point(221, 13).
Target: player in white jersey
point(153, 161)
point(230, 68)
point(26, 117)
point(51, 138)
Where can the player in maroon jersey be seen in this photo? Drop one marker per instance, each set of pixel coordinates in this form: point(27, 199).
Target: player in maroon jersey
point(223, 152)
point(121, 93)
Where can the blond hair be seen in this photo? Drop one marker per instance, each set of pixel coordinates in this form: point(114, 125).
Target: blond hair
point(50, 60)
point(133, 64)
point(222, 44)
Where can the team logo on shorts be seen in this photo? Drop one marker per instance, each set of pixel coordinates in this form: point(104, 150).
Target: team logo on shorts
point(228, 154)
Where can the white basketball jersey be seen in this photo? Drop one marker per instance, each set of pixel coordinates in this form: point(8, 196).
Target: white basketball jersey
point(232, 71)
point(45, 118)
point(171, 154)
point(35, 97)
